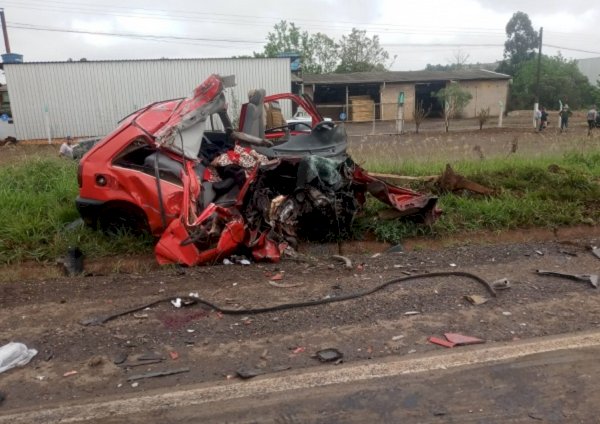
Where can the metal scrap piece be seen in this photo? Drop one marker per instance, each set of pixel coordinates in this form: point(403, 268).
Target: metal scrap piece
point(596, 252)
point(587, 278)
point(347, 262)
point(157, 374)
point(329, 355)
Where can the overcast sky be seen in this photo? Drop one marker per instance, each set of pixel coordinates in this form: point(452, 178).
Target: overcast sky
point(416, 32)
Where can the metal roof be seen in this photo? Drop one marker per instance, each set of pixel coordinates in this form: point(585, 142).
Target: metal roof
point(404, 76)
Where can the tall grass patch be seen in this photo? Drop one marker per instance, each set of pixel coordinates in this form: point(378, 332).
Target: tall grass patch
point(37, 197)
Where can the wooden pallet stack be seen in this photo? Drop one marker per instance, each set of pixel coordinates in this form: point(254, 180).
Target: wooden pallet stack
point(361, 108)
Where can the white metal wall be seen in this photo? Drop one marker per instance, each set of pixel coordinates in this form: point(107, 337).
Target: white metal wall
point(89, 98)
point(590, 68)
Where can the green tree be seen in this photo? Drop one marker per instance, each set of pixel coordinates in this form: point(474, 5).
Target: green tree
point(318, 52)
point(322, 56)
point(454, 98)
point(560, 79)
point(522, 40)
point(359, 53)
point(285, 37)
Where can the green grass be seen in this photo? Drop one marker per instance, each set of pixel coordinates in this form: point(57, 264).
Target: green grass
point(37, 203)
point(37, 198)
point(529, 195)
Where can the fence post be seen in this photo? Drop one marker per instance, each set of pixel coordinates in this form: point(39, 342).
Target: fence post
point(47, 122)
point(501, 114)
point(374, 109)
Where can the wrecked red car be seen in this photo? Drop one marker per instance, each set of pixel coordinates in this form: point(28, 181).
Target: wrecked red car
point(179, 170)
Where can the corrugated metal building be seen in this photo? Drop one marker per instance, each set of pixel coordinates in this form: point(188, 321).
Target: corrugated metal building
point(590, 68)
point(89, 98)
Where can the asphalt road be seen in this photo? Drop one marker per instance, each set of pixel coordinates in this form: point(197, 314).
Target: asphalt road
point(551, 379)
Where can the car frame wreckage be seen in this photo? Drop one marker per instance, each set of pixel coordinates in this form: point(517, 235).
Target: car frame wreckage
point(179, 170)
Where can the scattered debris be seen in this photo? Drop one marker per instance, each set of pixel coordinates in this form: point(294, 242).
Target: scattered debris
point(476, 299)
point(592, 279)
point(329, 355)
point(412, 313)
point(539, 252)
point(347, 261)
point(176, 302)
point(174, 355)
point(452, 265)
point(284, 285)
point(99, 320)
point(376, 255)
point(120, 358)
point(194, 294)
point(246, 373)
point(95, 361)
point(277, 277)
point(140, 363)
point(451, 181)
point(507, 313)
point(73, 262)
point(395, 249)
point(227, 262)
point(15, 355)
point(157, 374)
point(140, 316)
point(462, 340)
point(501, 284)
point(455, 339)
point(440, 342)
point(567, 252)
point(150, 357)
point(135, 384)
point(70, 373)
point(396, 338)
point(596, 252)
point(299, 349)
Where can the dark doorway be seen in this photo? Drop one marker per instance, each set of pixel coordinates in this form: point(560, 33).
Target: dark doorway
point(331, 98)
point(424, 93)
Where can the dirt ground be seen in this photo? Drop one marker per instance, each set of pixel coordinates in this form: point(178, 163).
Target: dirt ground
point(43, 310)
point(45, 315)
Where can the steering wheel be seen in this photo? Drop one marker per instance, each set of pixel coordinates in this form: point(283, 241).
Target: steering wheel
point(328, 125)
point(291, 124)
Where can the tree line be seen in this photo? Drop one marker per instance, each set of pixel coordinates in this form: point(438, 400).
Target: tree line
point(560, 79)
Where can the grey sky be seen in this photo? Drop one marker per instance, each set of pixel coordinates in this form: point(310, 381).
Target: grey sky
point(416, 33)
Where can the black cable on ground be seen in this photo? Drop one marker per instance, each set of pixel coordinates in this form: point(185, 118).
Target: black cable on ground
point(102, 319)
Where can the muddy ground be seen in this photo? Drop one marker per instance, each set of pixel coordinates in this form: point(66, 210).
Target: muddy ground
point(45, 315)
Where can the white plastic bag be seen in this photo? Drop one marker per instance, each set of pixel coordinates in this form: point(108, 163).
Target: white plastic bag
point(15, 355)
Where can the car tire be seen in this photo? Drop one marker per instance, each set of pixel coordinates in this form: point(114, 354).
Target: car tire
point(116, 218)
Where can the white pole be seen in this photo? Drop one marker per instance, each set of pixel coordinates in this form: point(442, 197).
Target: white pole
point(373, 129)
point(501, 114)
point(535, 109)
point(560, 107)
point(401, 129)
point(47, 122)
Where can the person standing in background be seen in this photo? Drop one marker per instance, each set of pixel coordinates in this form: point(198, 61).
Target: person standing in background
point(591, 119)
point(564, 118)
point(543, 118)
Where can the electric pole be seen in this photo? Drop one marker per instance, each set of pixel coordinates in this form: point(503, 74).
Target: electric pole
point(4, 30)
point(539, 66)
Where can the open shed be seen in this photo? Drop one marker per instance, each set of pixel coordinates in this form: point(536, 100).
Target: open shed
point(335, 94)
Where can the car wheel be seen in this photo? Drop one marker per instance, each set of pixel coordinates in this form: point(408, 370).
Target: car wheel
point(119, 218)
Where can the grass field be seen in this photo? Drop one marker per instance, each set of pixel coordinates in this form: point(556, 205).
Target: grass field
point(547, 190)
